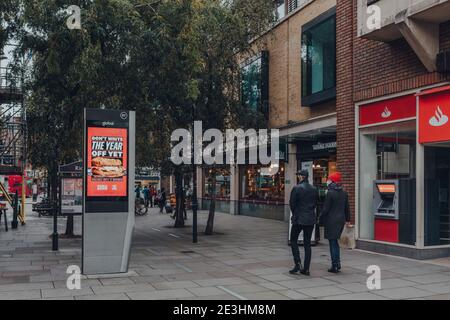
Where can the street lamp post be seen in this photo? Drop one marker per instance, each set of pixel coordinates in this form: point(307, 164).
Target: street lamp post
point(55, 236)
point(194, 182)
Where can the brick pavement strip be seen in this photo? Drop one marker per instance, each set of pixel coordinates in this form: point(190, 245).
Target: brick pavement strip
point(237, 263)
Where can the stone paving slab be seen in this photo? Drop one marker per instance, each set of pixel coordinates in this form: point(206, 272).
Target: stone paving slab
point(404, 293)
point(324, 291)
point(160, 295)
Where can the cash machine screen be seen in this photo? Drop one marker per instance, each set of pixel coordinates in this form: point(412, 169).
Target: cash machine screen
point(386, 188)
point(387, 192)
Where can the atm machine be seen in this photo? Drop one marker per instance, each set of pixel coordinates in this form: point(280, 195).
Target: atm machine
point(394, 210)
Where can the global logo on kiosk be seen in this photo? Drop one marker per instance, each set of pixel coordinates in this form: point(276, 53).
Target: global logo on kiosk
point(439, 119)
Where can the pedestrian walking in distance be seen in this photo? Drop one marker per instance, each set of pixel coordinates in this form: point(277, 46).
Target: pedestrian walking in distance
point(303, 203)
point(146, 193)
point(162, 200)
point(334, 216)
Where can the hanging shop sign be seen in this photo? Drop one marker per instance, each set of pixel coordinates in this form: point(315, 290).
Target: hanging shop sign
point(400, 108)
point(434, 113)
point(324, 146)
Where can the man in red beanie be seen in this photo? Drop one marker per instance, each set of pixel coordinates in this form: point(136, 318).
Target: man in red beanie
point(335, 214)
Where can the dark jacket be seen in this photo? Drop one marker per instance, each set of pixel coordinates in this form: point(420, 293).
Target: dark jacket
point(335, 212)
point(303, 203)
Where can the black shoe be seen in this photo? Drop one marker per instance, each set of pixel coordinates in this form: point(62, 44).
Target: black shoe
point(295, 270)
point(333, 269)
point(304, 272)
point(339, 267)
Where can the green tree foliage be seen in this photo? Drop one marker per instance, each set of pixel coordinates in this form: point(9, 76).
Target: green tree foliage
point(161, 58)
point(8, 15)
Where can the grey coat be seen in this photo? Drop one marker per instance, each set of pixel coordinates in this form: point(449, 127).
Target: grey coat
point(303, 203)
point(335, 212)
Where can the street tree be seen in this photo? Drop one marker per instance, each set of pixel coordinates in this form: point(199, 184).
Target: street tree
point(222, 34)
point(172, 61)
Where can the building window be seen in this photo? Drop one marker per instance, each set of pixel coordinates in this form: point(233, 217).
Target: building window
point(262, 191)
point(280, 7)
point(319, 59)
point(263, 183)
point(254, 83)
point(387, 174)
point(217, 181)
point(293, 4)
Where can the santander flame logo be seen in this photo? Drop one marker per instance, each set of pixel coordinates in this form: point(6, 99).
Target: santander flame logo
point(386, 113)
point(439, 119)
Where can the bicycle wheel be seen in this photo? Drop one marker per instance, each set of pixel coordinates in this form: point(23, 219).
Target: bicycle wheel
point(140, 209)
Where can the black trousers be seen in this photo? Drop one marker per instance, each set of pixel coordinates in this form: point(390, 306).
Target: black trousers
point(307, 234)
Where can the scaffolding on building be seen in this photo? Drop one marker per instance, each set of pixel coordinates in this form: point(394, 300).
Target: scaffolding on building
point(13, 130)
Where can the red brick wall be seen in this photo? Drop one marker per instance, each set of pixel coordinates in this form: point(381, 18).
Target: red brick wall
point(344, 100)
point(387, 68)
point(368, 69)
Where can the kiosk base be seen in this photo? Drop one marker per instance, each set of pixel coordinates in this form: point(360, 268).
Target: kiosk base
point(387, 230)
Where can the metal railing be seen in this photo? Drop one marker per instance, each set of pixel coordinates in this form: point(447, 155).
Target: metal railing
point(9, 81)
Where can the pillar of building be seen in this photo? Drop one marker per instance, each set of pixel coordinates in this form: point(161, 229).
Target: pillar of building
point(234, 189)
point(290, 178)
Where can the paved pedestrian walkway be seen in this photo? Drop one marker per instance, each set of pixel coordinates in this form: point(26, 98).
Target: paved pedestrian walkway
point(247, 259)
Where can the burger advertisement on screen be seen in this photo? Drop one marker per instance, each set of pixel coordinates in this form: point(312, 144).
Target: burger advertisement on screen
point(107, 162)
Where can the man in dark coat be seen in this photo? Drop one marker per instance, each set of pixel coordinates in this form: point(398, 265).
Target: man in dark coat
point(303, 203)
point(334, 216)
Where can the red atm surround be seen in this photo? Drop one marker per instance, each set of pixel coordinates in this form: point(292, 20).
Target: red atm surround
point(387, 230)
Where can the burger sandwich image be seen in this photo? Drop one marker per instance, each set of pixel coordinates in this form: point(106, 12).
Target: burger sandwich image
point(107, 167)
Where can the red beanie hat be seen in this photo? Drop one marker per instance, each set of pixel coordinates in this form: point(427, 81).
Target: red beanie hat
point(336, 177)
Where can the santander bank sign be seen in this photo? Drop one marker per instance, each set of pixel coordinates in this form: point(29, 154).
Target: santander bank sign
point(434, 113)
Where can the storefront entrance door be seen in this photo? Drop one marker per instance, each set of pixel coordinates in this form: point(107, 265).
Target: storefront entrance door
point(437, 194)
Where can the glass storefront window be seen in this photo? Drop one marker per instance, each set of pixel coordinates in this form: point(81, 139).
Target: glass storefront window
point(222, 182)
point(387, 185)
point(437, 192)
point(263, 183)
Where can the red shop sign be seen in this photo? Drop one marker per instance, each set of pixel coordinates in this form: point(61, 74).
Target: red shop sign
point(388, 110)
point(434, 113)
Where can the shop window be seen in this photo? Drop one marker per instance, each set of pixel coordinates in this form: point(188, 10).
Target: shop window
point(437, 193)
point(217, 181)
point(255, 83)
point(387, 183)
point(263, 183)
point(262, 191)
point(319, 59)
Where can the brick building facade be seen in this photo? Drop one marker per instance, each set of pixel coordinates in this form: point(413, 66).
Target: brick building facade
point(368, 71)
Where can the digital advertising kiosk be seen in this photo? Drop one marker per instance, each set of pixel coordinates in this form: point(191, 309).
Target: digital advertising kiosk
point(108, 183)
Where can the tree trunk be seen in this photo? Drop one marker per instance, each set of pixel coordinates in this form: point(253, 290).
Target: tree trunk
point(179, 219)
point(69, 226)
point(49, 183)
point(212, 208)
